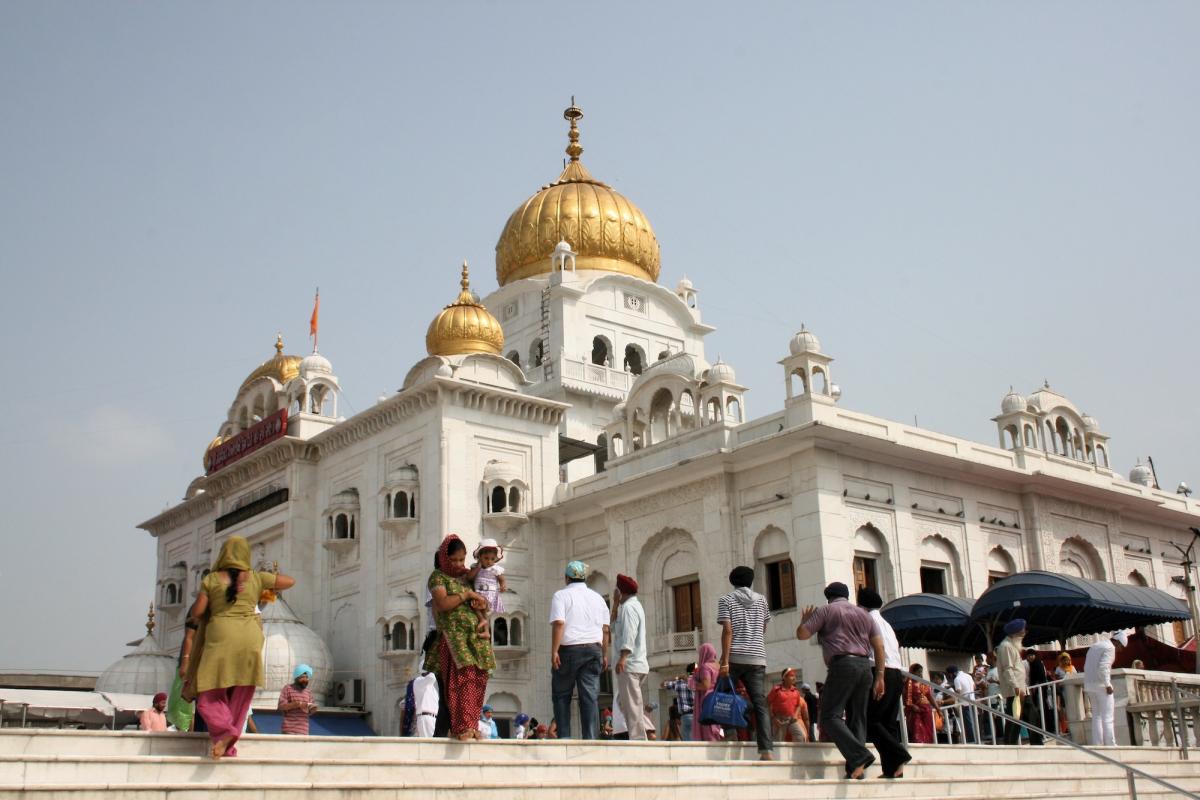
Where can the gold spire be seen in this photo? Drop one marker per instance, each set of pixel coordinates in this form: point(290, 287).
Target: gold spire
point(150, 621)
point(278, 343)
point(573, 114)
point(464, 326)
point(606, 230)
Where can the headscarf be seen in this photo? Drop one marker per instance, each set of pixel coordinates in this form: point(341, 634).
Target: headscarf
point(235, 554)
point(1121, 638)
point(443, 557)
point(302, 669)
point(706, 653)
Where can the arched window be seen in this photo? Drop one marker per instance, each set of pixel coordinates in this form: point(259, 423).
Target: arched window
point(341, 527)
point(660, 415)
point(687, 410)
point(1010, 437)
point(537, 353)
point(1000, 564)
point(498, 500)
point(500, 632)
point(170, 594)
point(514, 632)
point(1136, 579)
point(1101, 456)
point(799, 382)
point(773, 554)
point(635, 359)
point(1050, 441)
point(601, 454)
point(618, 445)
point(514, 499)
point(819, 383)
point(1064, 436)
point(351, 526)
point(1030, 436)
point(387, 506)
point(514, 357)
point(387, 637)
point(601, 351)
point(714, 410)
point(733, 410)
point(399, 636)
point(400, 508)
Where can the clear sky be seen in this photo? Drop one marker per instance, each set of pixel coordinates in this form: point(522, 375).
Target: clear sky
point(956, 196)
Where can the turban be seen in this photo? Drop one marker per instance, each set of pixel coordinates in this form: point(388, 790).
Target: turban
point(1121, 638)
point(1014, 626)
point(952, 669)
point(804, 687)
point(626, 584)
point(302, 669)
point(161, 697)
point(577, 570)
point(869, 598)
point(521, 719)
point(837, 589)
point(486, 708)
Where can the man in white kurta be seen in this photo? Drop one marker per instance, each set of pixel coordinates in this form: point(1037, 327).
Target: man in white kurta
point(629, 655)
point(425, 702)
point(1097, 682)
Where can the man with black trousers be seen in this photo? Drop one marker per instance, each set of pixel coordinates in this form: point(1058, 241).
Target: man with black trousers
point(883, 713)
point(848, 639)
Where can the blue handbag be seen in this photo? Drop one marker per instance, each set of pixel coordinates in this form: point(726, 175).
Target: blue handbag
point(724, 708)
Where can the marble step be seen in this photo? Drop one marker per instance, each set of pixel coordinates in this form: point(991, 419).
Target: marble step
point(30, 770)
point(731, 790)
point(134, 743)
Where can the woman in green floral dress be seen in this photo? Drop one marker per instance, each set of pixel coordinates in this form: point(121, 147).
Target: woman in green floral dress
point(464, 645)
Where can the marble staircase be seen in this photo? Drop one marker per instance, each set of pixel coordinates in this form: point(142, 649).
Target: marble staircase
point(61, 765)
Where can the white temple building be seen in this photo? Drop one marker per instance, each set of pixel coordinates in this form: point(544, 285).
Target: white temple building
point(574, 413)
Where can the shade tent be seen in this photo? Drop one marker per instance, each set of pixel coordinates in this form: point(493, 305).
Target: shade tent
point(85, 708)
point(935, 622)
point(1057, 607)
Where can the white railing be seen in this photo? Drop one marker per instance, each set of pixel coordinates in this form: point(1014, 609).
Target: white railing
point(598, 374)
point(998, 720)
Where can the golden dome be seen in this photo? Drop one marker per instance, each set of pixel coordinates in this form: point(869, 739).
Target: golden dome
point(606, 230)
point(464, 327)
point(282, 368)
point(213, 445)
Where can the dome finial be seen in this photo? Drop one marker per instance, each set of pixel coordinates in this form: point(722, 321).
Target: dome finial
point(465, 296)
point(573, 114)
point(279, 343)
point(150, 621)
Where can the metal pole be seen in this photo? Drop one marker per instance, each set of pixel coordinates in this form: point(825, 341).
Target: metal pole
point(1183, 731)
point(1132, 785)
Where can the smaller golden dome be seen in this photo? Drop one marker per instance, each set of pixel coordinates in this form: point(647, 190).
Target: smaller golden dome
point(464, 326)
point(282, 368)
point(213, 445)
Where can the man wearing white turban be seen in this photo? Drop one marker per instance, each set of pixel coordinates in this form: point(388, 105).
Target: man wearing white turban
point(1097, 682)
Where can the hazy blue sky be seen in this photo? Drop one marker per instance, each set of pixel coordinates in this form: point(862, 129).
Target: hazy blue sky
point(955, 196)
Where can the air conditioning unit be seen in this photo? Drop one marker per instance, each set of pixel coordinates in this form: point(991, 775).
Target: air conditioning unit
point(350, 693)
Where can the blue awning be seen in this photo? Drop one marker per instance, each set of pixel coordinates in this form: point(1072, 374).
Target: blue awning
point(1057, 607)
point(318, 724)
point(935, 622)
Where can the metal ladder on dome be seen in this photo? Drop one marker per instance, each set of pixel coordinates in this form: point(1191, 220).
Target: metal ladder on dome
point(547, 361)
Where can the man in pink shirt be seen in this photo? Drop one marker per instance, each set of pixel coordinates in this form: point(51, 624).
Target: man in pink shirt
point(154, 719)
point(296, 702)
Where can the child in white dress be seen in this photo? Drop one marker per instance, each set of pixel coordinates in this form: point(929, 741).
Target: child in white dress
point(489, 575)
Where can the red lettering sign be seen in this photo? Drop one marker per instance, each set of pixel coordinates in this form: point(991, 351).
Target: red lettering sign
point(257, 435)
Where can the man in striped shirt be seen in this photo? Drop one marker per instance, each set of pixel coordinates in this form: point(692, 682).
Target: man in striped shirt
point(743, 615)
point(296, 702)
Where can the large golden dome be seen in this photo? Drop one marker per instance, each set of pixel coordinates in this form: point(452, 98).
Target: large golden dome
point(464, 326)
point(606, 230)
point(282, 368)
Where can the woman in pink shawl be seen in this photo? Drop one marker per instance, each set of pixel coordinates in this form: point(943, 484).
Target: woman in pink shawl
point(704, 680)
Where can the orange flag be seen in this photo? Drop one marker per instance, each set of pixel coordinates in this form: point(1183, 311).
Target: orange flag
point(312, 323)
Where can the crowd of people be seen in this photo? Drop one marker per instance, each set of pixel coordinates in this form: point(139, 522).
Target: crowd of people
point(1015, 681)
point(724, 695)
